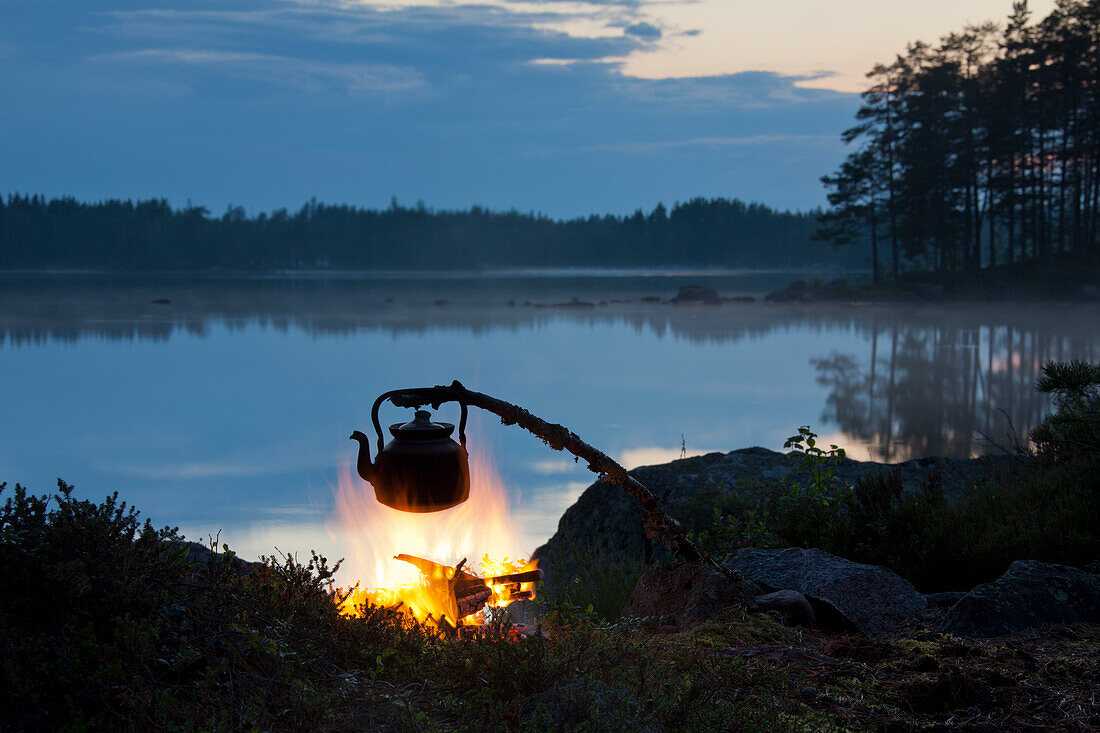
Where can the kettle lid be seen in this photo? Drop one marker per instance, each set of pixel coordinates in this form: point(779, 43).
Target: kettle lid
point(421, 427)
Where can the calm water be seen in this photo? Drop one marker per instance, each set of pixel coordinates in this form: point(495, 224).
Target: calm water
point(229, 407)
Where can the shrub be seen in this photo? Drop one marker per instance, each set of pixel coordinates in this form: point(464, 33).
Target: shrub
point(598, 588)
point(1038, 510)
point(106, 622)
point(1073, 429)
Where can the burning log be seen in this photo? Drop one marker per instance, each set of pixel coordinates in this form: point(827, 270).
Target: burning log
point(459, 594)
point(530, 576)
point(473, 602)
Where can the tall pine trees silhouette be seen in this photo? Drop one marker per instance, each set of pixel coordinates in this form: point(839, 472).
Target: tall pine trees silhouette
point(982, 150)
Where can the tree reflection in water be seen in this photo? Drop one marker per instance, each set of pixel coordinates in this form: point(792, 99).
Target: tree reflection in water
point(943, 390)
point(912, 379)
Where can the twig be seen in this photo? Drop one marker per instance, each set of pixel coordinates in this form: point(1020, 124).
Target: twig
point(1014, 438)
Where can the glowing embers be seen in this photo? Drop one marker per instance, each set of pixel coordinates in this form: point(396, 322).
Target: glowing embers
point(450, 597)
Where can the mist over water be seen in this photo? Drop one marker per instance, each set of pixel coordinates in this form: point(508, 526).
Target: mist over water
point(226, 403)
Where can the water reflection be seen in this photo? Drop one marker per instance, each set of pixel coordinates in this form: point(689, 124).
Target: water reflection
point(954, 389)
point(229, 405)
point(37, 309)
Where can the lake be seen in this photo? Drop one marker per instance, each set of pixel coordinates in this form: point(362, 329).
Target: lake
point(225, 403)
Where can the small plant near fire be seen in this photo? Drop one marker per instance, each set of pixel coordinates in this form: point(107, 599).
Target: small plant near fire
point(808, 498)
point(815, 466)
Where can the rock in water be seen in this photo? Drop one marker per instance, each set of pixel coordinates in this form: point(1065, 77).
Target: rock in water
point(690, 591)
point(697, 294)
point(872, 599)
point(1029, 594)
point(793, 293)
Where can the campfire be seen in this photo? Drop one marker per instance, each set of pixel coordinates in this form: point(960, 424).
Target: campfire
point(417, 563)
point(434, 504)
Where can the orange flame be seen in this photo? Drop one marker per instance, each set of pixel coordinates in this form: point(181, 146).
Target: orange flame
point(374, 534)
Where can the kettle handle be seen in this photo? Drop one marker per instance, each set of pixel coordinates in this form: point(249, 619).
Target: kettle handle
point(411, 396)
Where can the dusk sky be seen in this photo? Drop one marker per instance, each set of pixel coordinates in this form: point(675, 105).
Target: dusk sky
point(566, 108)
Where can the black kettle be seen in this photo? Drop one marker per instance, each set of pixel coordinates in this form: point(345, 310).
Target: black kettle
point(422, 469)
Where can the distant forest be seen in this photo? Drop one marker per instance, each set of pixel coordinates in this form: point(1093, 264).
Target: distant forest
point(36, 233)
point(981, 151)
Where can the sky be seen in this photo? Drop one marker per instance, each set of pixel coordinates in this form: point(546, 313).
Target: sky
point(565, 108)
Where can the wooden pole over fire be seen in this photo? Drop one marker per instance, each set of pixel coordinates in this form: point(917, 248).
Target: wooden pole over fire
point(658, 524)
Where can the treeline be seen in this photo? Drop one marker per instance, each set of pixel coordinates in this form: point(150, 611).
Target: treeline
point(983, 150)
point(37, 233)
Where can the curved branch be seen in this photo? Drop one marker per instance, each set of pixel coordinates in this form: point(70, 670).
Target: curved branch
point(657, 522)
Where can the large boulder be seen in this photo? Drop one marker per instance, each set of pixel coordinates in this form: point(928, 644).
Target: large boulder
point(1029, 594)
point(684, 592)
point(606, 523)
point(874, 600)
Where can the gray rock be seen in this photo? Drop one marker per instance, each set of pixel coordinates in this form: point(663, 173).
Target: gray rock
point(1029, 594)
point(690, 592)
point(199, 556)
point(696, 294)
point(792, 607)
point(945, 599)
point(796, 291)
point(605, 524)
point(873, 599)
point(574, 303)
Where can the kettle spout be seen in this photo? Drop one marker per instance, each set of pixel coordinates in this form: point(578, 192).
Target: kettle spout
point(363, 465)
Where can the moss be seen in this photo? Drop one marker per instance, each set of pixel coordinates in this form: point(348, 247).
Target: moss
point(737, 628)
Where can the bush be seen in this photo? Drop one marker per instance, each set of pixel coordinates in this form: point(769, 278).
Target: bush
point(1038, 511)
point(106, 622)
point(81, 585)
point(1073, 429)
point(598, 589)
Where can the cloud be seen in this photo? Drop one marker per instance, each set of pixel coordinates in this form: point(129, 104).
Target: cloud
point(296, 73)
point(191, 470)
point(549, 467)
point(711, 142)
point(387, 26)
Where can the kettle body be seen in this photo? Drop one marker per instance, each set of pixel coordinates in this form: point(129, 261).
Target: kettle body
point(422, 469)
